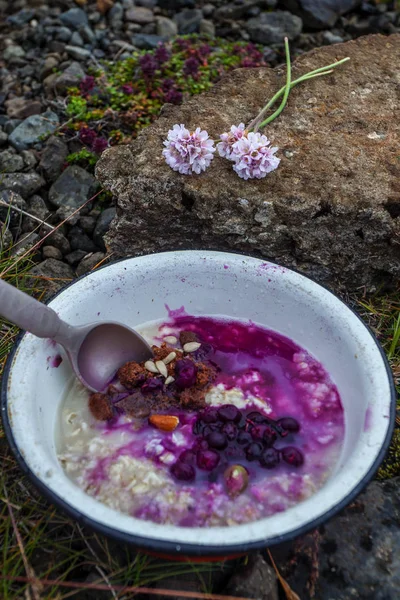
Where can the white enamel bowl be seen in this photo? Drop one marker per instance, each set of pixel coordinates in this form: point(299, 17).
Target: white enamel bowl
point(137, 290)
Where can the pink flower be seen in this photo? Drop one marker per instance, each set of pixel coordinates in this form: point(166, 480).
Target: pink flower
point(253, 156)
point(188, 152)
point(228, 139)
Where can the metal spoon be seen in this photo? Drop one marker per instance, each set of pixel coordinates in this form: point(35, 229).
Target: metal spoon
point(96, 351)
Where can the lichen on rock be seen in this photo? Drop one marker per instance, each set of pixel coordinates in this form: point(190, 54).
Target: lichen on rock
point(332, 207)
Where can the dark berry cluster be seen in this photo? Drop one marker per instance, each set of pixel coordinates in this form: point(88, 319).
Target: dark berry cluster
point(226, 434)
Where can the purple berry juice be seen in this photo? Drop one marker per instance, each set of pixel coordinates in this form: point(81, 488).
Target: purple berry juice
point(236, 424)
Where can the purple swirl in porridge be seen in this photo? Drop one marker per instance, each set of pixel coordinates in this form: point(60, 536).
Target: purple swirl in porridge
point(229, 423)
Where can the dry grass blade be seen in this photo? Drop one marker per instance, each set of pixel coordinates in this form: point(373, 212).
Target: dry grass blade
point(128, 589)
point(289, 593)
point(98, 568)
point(35, 584)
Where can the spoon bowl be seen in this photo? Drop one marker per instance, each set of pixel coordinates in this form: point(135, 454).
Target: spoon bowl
point(96, 351)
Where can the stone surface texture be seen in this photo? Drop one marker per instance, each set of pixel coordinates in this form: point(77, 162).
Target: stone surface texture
point(332, 209)
point(355, 556)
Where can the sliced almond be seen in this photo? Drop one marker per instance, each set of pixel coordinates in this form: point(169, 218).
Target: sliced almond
point(191, 347)
point(169, 380)
point(164, 422)
point(171, 339)
point(162, 368)
point(150, 366)
point(171, 356)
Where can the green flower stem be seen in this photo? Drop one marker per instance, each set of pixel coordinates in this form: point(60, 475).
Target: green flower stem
point(310, 75)
point(286, 89)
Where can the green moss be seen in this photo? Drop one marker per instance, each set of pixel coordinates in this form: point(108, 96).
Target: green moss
point(76, 106)
point(391, 465)
point(84, 158)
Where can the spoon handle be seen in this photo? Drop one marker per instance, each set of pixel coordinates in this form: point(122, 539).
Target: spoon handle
point(28, 313)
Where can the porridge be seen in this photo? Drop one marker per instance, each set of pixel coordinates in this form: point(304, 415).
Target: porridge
point(229, 423)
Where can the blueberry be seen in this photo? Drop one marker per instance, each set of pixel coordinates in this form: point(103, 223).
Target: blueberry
point(229, 412)
point(217, 440)
point(256, 417)
point(207, 459)
point(292, 456)
point(230, 430)
point(269, 458)
point(257, 432)
point(183, 471)
point(289, 424)
point(187, 457)
point(186, 373)
point(269, 436)
point(198, 427)
point(244, 438)
point(152, 385)
point(210, 415)
point(254, 451)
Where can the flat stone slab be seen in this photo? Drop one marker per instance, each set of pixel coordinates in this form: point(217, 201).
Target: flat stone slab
point(331, 209)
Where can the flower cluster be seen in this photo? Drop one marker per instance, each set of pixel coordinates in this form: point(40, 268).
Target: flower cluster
point(250, 152)
point(187, 152)
point(92, 140)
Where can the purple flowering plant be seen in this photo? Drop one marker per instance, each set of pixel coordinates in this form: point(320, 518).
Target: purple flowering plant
point(250, 151)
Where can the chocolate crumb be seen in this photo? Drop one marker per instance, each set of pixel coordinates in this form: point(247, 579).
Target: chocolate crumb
point(161, 352)
point(100, 406)
point(135, 405)
point(185, 337)
point(132, 374)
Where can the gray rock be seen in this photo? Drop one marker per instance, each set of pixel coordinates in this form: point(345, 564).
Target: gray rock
point(10, 162)
point(115, 16)
point(3, 138)
point(146, 41)
point(87, 224)
point(48, 67)
point(254, 580)
point(72, 188)
point(73, 258)
point(331, 213)
point(6, 238)
point(7, 215)
point(103, 225)
point(87, 34)
point(25, 184)
point(89, 263)
point(53, 158)
point(24, 243)
point(78, 53)
point(58, 240)
point(21, 108)
point(53, 274)
point(75, 18)
point(63, 34)
point(36, 207)
point(320, 14)
point(21, 17)
point(51, 252)
point(12, 52)
point(188, 21)
point(76, 40)
point(79, 240)
point(233, 10)
point(273, 27)
point(166, 27)
point(69, 78)
point(29, 158)
point(355, 556)
point(11, 124)
point(139, 14)
point(34, 130)
point(207, 28)
point(330, 38)
point(208, 10)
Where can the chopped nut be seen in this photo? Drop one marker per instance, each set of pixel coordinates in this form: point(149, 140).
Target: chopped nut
point(169, 380)
point(170, 339)
point(171, 356)
point(150, 366)
point(162, 368)
point(191, 347)
point(164, 422)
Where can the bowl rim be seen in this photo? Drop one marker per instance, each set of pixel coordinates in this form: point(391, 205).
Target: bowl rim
point(189, 549)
